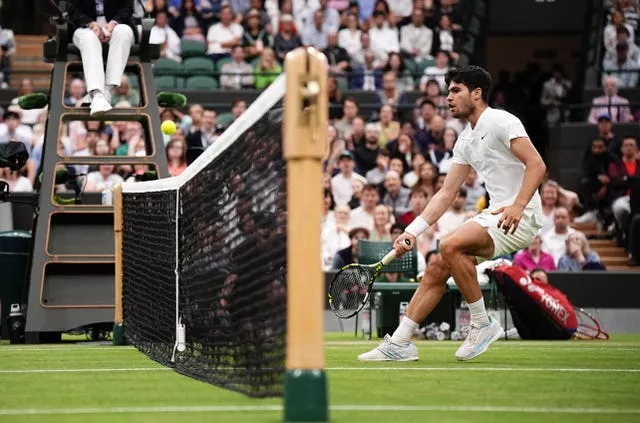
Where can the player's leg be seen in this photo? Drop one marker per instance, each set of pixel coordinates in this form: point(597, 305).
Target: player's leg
point(399, 347)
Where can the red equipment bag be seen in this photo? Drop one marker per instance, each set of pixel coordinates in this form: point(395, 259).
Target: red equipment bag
point(541, 311)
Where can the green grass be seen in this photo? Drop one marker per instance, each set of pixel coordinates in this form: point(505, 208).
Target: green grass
point(514, 381)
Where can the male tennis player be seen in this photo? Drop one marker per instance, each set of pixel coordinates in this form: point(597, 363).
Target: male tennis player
point(495, 144)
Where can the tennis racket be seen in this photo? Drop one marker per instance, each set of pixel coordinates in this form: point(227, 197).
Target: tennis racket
point(351, 286)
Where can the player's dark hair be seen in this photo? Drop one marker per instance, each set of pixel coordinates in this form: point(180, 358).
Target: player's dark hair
point(472, 77)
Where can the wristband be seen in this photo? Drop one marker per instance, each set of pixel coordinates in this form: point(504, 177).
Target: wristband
point(417, 227)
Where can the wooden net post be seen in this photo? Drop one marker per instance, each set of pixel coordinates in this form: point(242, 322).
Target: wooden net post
point(305, 137)
point(118, 329)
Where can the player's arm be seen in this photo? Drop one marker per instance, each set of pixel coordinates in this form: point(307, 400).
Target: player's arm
point(436, 207)
point(535, 169)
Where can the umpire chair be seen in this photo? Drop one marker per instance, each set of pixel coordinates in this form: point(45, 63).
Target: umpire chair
point(72, 269)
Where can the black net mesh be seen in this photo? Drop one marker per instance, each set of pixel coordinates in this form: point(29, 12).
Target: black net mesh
point(349, 290)
point(232, 268)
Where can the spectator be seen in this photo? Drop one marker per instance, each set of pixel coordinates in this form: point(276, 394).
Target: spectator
point(103, 179)
point(357, 133)
point(267, 70)
point(363, 216)
point(404, 80)
point(206, 134)
point(124, 93)
point(390, 94)
point(578, 256)
point(366, 78)
point(384, 40)
point(449, 139)
point(539, 274)
point(622, 36)
point(554, 95)
point(610, 30)
point(176, 157)
point(5, 68)
point(341, 184)
point(553, 242)
point(389, 128)
point(350, 254)
point(436, 72)
point(622, 67)
point(454, 217)
point(16, 180)
point(428, 178)
point(416, 39)
point(188, 25)
point(402, 149)
point(237, 74)
point(349, 113)
point(12, 130)
point(534, 258)
point(357, 186)
point(77, 92)
point(376, 175)
point(90, 30)
point(28, 117)
point(331, 17)
point(549, 198)
point(630, 12)
point(605, 132)
point(396, 164)
point(366, 152)
point(262, 7)
point(255, 37)
point(335, 98)
point(621, 173)
point(337, 57)
point(335, 236)
point(316, 34)
point(286, 40)
point(432, 93)
point(397, 196)
point(444, 38)
point(349, 38)
point(328, 205)
point(611, 105)
point(381, 224)
point(594, 191)
point(401, 9)
point(427, 141)
point(418, 201)
point(427, 113)
point(224, 35)
point(475, 191)
point(238, 107)
point(166, 37)
point(411, 178)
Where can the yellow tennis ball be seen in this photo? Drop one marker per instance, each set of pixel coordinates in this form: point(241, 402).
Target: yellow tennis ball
point(168, 127)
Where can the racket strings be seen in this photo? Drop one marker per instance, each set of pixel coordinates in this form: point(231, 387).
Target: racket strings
point(350, 290)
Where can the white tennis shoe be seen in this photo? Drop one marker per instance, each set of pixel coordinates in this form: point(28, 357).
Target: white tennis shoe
point(388, 351)
point(479, 339)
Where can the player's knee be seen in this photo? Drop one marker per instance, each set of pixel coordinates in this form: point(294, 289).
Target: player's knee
point(438, 267)
point(449, 248)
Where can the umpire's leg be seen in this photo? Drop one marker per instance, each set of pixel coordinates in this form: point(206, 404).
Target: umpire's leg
point(91, 51)
point(119, 47)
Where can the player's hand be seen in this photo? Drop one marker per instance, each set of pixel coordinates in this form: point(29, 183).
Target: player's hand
point(510, 217)
point(400, 244)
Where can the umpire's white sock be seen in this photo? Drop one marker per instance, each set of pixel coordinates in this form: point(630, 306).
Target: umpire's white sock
point(402, 336)
point(478, 313)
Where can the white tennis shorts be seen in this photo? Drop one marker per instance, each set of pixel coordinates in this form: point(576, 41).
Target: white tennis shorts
point(507, 243)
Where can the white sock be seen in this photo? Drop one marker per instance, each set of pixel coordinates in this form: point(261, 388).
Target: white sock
point(402, 336)
point(478, 313)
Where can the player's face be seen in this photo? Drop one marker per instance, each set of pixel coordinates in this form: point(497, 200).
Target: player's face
point(459, 101)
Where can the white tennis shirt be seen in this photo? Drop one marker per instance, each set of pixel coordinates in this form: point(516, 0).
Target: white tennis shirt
point(487, 149)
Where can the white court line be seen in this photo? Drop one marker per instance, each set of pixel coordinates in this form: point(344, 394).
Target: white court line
point(513, 343)
point(372, 368)
point(274, 408)
point(498, 347)
point(96, 348)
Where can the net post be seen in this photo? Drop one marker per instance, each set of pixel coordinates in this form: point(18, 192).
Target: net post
point(305, 136)
point(118, 329)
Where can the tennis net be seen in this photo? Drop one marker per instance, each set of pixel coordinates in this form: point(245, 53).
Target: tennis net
point(204, 258)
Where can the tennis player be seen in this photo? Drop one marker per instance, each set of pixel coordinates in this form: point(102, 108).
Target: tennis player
point(496, 145)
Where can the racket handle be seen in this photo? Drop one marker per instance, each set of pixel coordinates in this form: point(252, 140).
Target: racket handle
point(392, 254)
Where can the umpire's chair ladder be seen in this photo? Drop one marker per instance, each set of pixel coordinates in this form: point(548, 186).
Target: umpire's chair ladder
point(73, 262)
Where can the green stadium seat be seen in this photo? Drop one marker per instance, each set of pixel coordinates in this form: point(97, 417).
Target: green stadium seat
point(164, 82)
point(370, 252)
point(421, 66)
point(167, 67)
point(202, 83)
point(343, 84)
point(411, 66)
point(198, 66)
point(192, 48)
point(224, 119)
point(221, 62)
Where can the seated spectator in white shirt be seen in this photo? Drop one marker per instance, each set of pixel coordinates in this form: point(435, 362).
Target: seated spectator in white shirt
point(335, 235)
point(384, 39)
point(416, 39)
point(622, 67)
point(611, 104)
point(362, 217)
point(609, 35)
point(349, 38)
point(12, 129)
point(454, 217)
point(436, 72)
point(102, 179)
point(224, 35)
point(316, 34)
point(341, 184)
point(16, 180)
point(444, 34)
point(554, 241)
point(623, 36)
point(549, 199)
point(166, 37)
point(236, 74)
point(331, 17)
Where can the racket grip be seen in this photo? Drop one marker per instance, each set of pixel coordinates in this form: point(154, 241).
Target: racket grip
point(391, 255)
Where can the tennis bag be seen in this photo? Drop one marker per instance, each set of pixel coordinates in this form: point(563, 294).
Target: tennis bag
point(539, 310)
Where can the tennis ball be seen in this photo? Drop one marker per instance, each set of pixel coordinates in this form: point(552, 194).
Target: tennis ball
point(168, 127)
